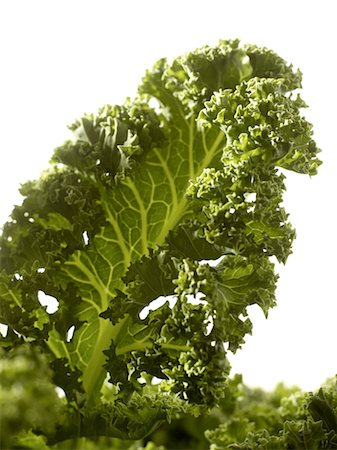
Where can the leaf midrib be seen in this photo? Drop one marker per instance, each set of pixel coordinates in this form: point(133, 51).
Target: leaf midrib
point(94, 373)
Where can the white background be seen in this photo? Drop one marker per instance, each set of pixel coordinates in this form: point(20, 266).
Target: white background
point(59, 59)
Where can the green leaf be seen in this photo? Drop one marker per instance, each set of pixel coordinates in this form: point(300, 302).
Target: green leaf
point(129, 211)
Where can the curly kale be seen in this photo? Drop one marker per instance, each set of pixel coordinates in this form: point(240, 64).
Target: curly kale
point(133, 209)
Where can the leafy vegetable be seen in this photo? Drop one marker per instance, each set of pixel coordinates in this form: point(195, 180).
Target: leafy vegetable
point(130, 211)
point(279, 420)
point(27, 396)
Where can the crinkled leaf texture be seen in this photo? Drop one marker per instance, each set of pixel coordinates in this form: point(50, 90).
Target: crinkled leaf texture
point(279, 420)
point(130, 211)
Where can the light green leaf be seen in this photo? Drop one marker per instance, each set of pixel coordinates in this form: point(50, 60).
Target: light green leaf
point(129, 211)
